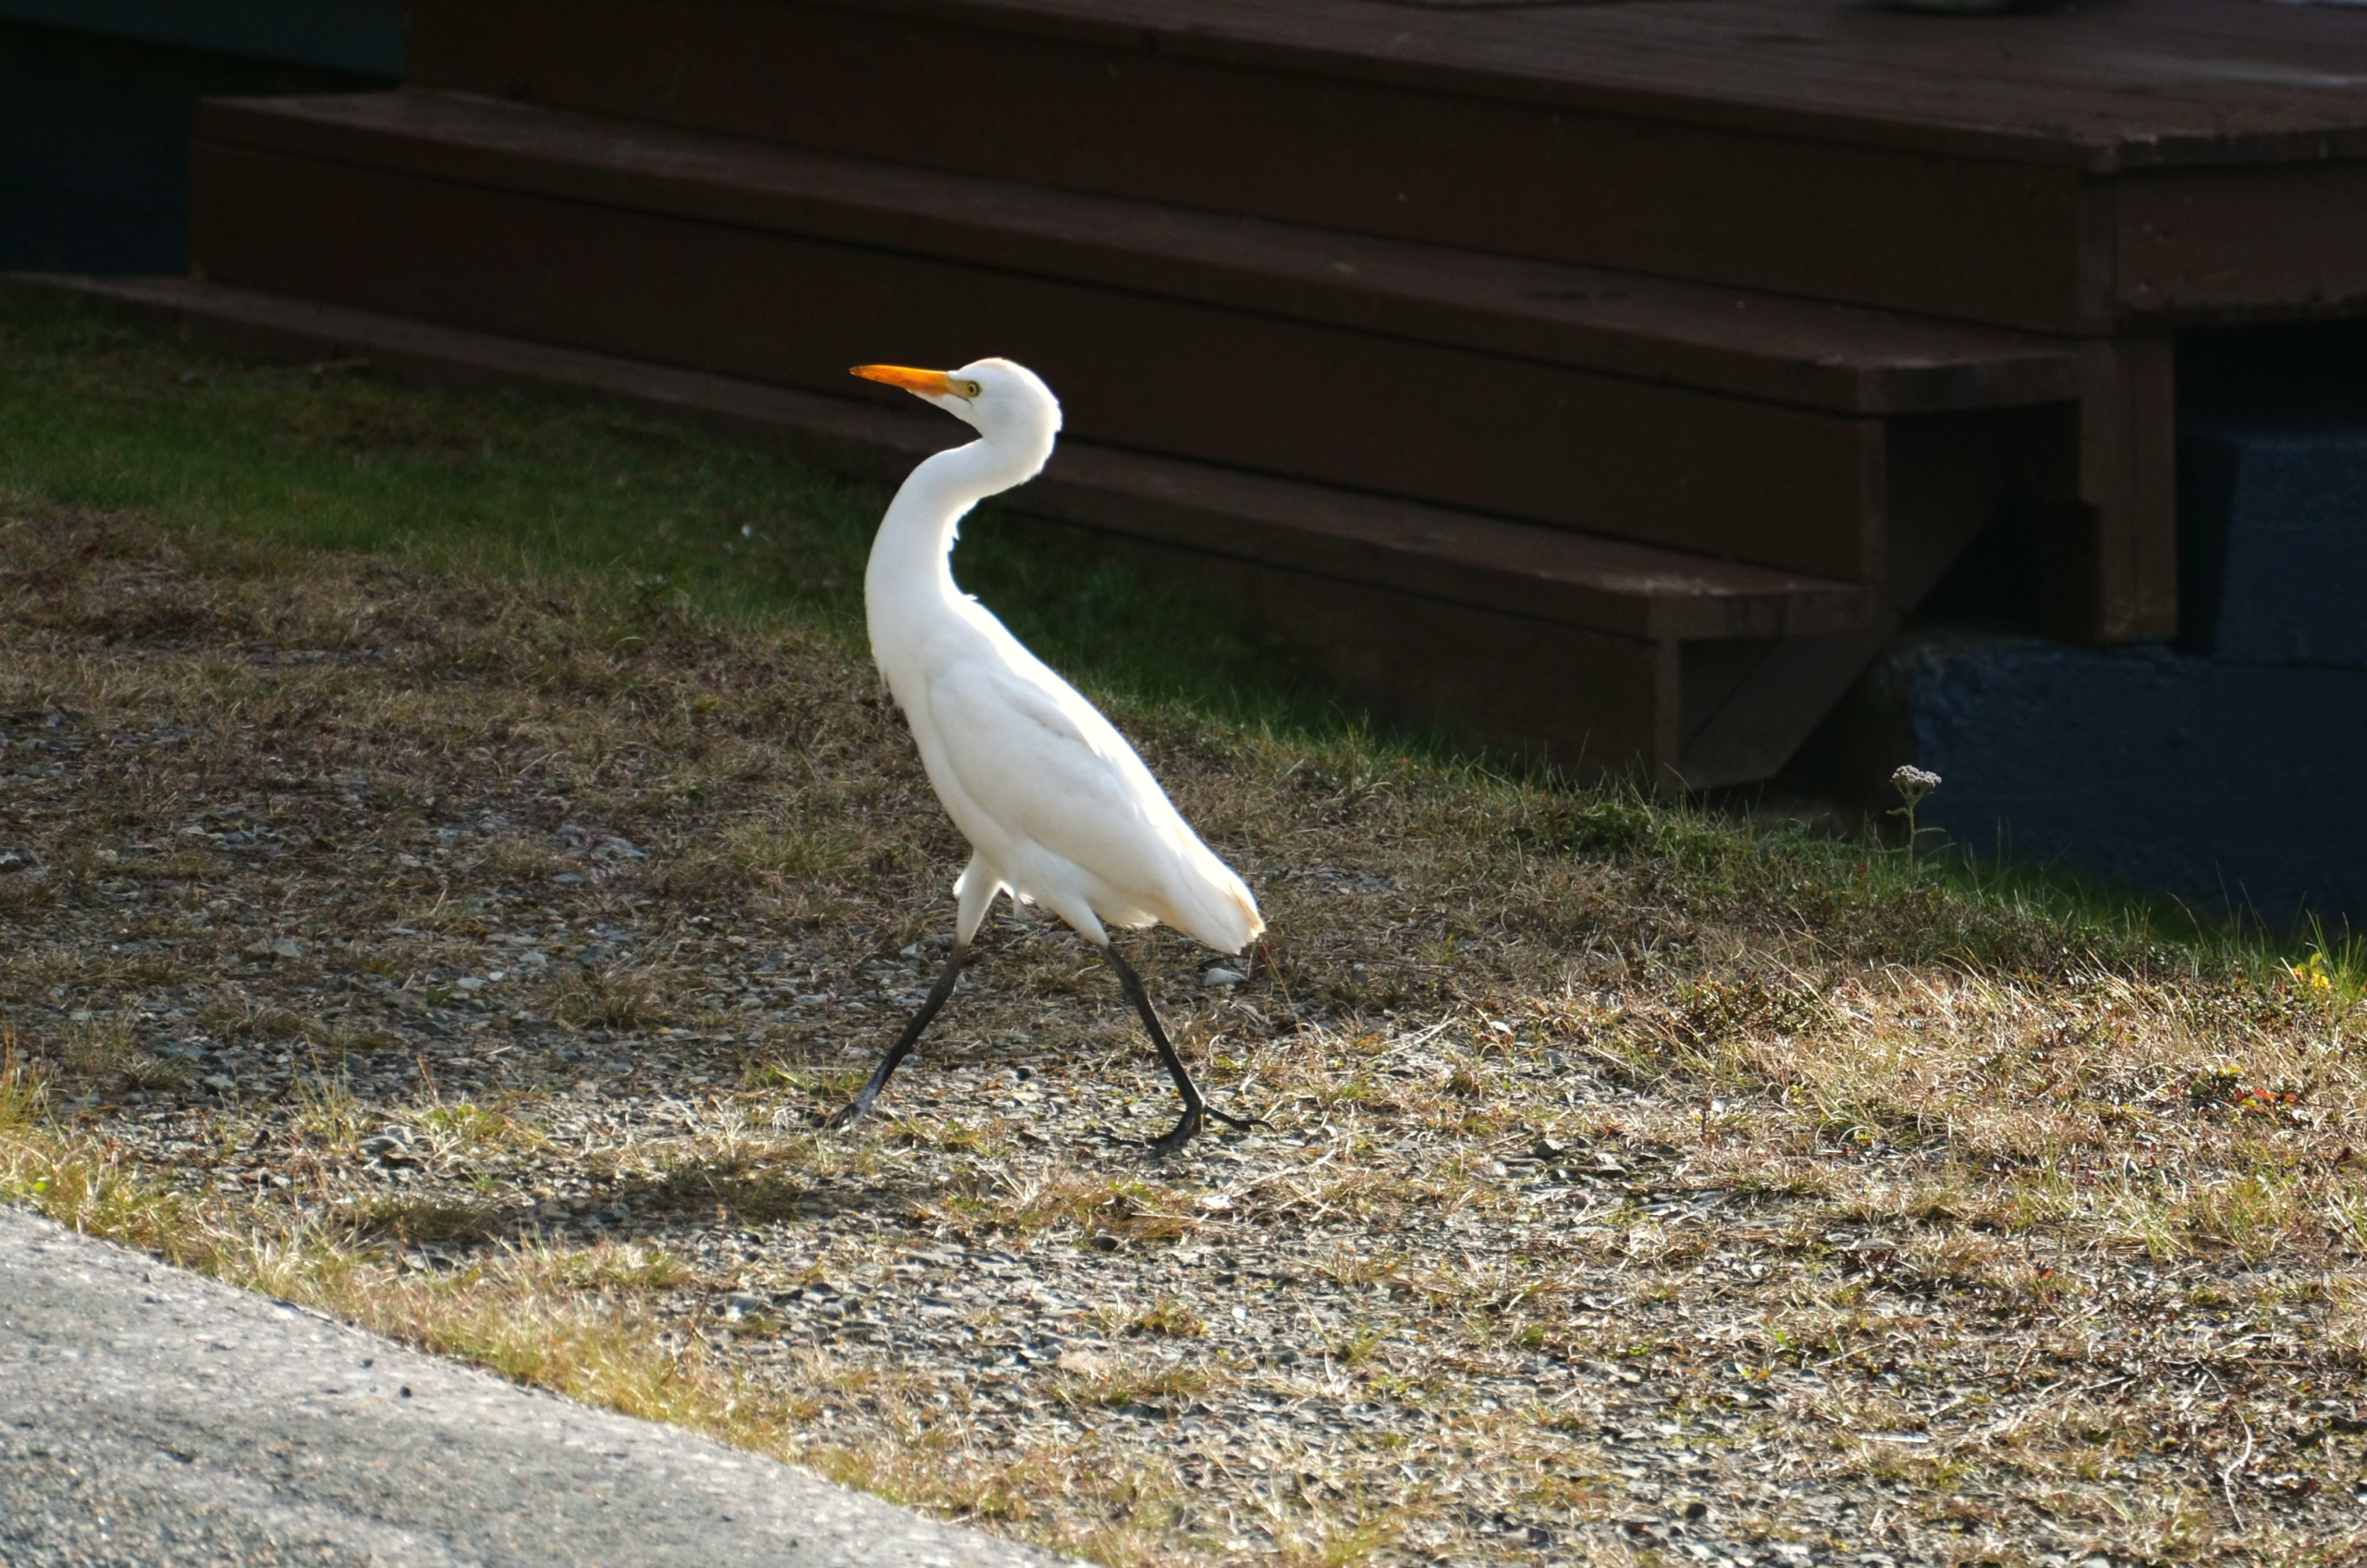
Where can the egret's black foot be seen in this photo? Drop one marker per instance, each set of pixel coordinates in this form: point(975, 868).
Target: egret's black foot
point(1189, 1125)
point(847, 1115)
point(1187, 1128)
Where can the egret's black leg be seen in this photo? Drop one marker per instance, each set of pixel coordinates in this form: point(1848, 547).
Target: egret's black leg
point(847, 1116)
point(1195, 1109)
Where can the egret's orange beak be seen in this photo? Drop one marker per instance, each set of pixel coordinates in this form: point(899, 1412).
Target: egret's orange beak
point(935, 383)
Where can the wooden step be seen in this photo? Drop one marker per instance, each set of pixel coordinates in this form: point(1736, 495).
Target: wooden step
point(1612, 405)
point(2067, 172)
point(1550, 575)
point(1832, 357)
point(1518, 635)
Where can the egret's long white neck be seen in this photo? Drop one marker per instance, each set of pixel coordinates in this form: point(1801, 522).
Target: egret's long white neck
point(911, 569)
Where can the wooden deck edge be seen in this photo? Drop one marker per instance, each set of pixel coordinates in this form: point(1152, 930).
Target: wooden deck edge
point(1403, 547)
point(1412, 52)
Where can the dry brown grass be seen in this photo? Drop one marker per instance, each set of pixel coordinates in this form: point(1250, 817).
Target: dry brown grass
point(1621, 1162)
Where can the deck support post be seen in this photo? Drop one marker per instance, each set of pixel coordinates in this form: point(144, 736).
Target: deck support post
point(2110, 572)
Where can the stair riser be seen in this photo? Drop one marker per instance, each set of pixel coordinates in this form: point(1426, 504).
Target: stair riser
point(1965, 237)
point(1585, 702)
point(1759, 346)
point(1719, 475)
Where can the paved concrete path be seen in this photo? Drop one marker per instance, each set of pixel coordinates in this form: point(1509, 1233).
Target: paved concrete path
point(148, 1416)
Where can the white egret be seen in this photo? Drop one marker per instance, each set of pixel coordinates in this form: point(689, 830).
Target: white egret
point(1058, 810)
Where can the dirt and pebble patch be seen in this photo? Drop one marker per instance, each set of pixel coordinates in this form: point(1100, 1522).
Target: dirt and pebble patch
point(1632, 1191)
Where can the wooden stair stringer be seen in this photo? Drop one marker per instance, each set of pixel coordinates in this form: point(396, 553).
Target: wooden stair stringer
point(1949, 479)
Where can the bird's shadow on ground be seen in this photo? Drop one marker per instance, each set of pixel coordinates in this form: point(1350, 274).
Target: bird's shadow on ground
point(697, 1195)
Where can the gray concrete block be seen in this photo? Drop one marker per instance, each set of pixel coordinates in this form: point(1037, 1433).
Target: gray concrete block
point(2224, 784)
point(2273, 518)
point(365, 36)
point(94, 134)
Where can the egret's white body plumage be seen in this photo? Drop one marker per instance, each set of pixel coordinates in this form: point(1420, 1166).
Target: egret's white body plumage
point(1059, 809)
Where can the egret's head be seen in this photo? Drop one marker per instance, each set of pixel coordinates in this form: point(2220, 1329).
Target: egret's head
point(1002, 400)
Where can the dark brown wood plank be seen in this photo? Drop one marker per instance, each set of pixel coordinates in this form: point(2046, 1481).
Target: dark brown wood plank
point(1538, 573)
point(1766, 699)
point(2140, 83)
point(1721, 476)
point(1754, 345)
point(2145, 82)
point(1544, 574)
point(1976, 238)
point(2226, 244)
point(2114, 564)
point(1579, 700)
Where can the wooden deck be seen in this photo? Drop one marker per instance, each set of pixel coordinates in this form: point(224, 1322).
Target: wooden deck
point(1444, 304)
point(2064, 170)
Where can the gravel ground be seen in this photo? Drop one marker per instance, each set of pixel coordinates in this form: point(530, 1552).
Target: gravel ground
point(495, 928)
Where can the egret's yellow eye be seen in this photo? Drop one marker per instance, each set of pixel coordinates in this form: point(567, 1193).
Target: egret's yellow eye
point(968, 388)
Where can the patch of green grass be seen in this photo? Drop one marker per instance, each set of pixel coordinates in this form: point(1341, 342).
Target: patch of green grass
point(1111, 1385)
point(460, 1127)
point(1170, 1318)
point(412, 1220)
point(328, 1115)
point(624, 1267)
point(235, 1016)
point(608, 998)
point(103, 413)
point(106, 1056)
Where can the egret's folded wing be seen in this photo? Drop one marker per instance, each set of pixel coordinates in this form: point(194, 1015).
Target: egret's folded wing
point(1053, 770)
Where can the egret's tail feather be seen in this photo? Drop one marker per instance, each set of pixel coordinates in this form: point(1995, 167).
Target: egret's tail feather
point(1222, 913)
